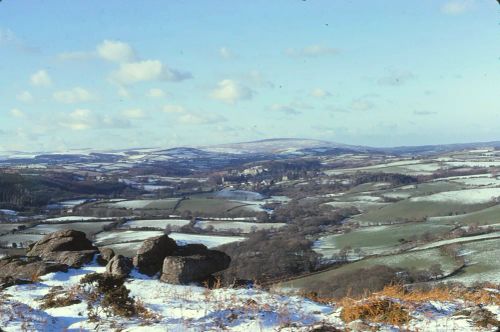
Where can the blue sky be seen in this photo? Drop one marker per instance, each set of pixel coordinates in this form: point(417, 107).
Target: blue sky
point(118, 74)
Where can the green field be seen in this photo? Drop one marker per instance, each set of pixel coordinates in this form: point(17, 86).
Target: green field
point(86, 227)
point(427, 188)
point(379, 239)
point(208, 206)
point(163, 204)
point(482, 261)
point(488, 216)
point(418, 260)
point(408, 210)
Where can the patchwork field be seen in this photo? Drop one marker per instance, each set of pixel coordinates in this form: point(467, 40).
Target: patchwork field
point(210, 206)
point(111, 237)
point(418, 260)
point(238, 226)
point(482, 260)
point(488, 216)
point(20, 239)
point(419, 210)
point(377, 240)
point(86, 227)
point(160, 224)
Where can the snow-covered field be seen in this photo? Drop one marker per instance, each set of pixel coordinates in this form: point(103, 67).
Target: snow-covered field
point(116, 237)
point(458, 240)
point(156, 223)
point(75, 218)
point(105, 238)
point(133, 204)
point(243, 227)
point(494, 163)
point(87, 227)
point(468, 196)
point(211, 241)
point(19, 239)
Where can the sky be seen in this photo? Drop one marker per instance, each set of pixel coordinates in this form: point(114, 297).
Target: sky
point(112, 74)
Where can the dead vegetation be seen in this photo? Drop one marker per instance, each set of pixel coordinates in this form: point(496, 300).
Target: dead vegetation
point(59, 297)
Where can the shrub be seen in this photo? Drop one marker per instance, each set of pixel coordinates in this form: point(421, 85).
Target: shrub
point(107, 293)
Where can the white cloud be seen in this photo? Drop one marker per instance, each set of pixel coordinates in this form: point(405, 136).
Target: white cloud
point(199, 119)
point(122, 92)
point(135, 113)
point(25, 97)
point(320, 93)
point(225, 53)
point(230, 91)
point(174, 109)
point(79, 119)
point(147, 70)
point(312, 51)
point(456, 7)
point(17, 113)
point(41, 78)
point(156, 93)
point(84, 119)
point(116, 51)
point(75, 95)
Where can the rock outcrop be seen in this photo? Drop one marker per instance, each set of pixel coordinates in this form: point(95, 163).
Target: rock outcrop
point(119, 266)
point(105, 255)
point(68, 247)
point(28, 268)
point(193, 263)
point(150, 256)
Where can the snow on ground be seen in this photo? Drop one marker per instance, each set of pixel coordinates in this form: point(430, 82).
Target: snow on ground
point(74, 218)
point(397, 195)
point(367, 198)
point(8, 212)
point(194, 308)
point(458, 240)
point(132, 204)
point(244, 227)
point(72, 203)
point(105, 238)
point(21, 240)
point(211, 241)
point(468, 196)
point(156, 223)
point(473, 163)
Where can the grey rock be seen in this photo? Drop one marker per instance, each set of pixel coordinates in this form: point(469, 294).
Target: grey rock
point(105, 255)
point(68, 247)
point(150, 256)
point(197, 267)
point(28, 268)
point(119, 266)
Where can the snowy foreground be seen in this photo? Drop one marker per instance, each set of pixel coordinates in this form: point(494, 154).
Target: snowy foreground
point(192, 308)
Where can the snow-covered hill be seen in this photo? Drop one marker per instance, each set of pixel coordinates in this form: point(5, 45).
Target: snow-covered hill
point(193, 308)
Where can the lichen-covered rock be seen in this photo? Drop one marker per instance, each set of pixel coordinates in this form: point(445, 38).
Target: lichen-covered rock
point(105, 255)
point(119, 266)
point(150, 256)
point(69, 247)
point(197, 267)
point(29, 268)
point(74, 259)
